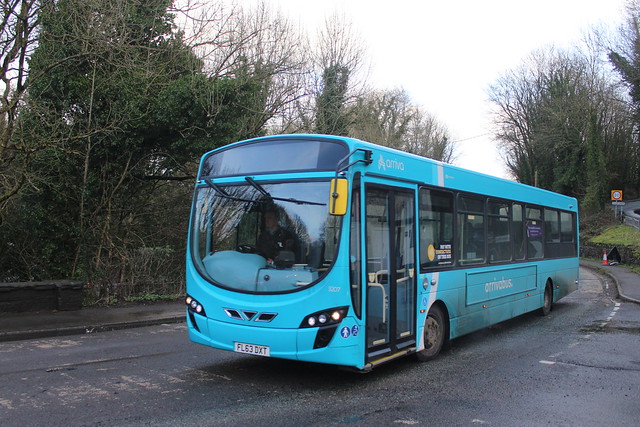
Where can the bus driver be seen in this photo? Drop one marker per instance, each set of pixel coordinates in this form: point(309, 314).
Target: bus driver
point(273, 239)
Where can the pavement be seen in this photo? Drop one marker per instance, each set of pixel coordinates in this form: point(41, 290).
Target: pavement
point(42, 324)
point(626, 280)
point(29, 325)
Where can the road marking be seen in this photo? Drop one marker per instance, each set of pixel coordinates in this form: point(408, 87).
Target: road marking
point(7, 404)
point(547, 362)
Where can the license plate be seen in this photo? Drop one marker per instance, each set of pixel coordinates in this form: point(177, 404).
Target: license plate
point(256, 350)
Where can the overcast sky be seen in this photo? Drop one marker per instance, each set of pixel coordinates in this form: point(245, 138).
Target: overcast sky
point(445, 54)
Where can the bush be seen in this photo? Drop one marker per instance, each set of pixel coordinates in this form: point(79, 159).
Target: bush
point(594, 224)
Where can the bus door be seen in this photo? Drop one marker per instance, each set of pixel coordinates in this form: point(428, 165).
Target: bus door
point(391, 274)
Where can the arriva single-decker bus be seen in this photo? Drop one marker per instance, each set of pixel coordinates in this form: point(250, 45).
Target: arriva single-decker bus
point(328, 249)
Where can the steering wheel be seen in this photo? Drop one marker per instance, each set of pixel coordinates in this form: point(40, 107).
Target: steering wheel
point(247, 249)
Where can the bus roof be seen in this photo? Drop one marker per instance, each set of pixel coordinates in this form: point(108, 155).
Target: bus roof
point(399, 165)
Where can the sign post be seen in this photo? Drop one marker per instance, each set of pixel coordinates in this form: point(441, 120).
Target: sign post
point(616, 201)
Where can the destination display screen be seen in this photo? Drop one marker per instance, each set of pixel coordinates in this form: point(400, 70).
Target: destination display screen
point(273, 156)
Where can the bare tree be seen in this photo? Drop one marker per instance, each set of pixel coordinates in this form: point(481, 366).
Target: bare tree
point(339, 44)
point(383, 117)
point(18, 36)
point(515, 96)
point(339, 63)
point(558, 119)
point(428, 137)
point(389, 118)
point(257, 46)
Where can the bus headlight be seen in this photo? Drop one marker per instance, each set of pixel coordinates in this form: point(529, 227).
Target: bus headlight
point(331, 316)
point(194, 306)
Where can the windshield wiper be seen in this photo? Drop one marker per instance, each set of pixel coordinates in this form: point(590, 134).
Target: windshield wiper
point(265, 193)
point(222, 193)
point(258, 187)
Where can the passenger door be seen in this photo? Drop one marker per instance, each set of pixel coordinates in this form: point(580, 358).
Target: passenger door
point(391, 270)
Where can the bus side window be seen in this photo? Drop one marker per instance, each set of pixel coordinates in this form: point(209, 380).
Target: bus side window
point(551, 226)
point(535, 233)
point(499, 236)
point(471, 233)
point(568, 234)
point(436, 228)
point(517, 230)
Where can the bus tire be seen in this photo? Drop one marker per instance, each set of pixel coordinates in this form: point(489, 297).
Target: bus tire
point(435, 332)
point(548, 300)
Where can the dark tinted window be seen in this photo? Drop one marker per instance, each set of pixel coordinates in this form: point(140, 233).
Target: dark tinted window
point(560, 241)
point(470, 204)
point(551, 226)
point(518, 232)
point(498, 236)
point(535, 234)
point(567, 228)
point(534, 213)
point(471, 234)
point(498, 208)
point(436, 228)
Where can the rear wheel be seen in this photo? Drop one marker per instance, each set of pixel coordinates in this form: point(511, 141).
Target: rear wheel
point(435, 328)
point(548, 300)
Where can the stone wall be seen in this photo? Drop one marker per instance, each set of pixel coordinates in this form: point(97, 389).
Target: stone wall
point(39, 296)
point(627, 255)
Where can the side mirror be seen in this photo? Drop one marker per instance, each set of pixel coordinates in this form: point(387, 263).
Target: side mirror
point(339, 196)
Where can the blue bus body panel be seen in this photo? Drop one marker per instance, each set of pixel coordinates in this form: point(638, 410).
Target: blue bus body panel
point(476, 298)
point(485, 286)
point(294, 344)
point(283, 334)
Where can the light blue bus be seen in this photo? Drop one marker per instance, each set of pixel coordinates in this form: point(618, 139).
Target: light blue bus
point(328, 249)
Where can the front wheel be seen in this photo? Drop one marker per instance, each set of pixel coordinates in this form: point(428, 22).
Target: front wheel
point(435, 328)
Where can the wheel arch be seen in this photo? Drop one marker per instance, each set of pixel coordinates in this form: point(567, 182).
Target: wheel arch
point(447, 319)
point(438, 314)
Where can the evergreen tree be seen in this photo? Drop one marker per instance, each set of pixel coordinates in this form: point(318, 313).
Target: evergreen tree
point(124, 118)
point(331, 116)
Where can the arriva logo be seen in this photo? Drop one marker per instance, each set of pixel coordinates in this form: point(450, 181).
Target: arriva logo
point(498, 285)
point(391, 164)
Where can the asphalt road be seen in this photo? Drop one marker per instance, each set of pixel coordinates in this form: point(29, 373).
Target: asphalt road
point(578, 366)
point(631, 210)
point(631, 206)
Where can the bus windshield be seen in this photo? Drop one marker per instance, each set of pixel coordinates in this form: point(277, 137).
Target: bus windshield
point(264, 237)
